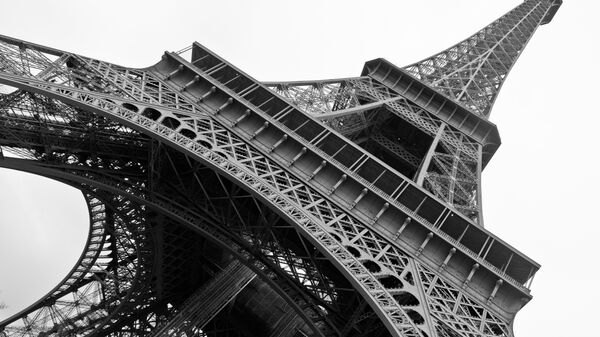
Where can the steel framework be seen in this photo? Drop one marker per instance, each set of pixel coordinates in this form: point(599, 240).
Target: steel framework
point(223, 206)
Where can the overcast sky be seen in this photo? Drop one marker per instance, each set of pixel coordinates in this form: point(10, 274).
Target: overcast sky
point(539, 191)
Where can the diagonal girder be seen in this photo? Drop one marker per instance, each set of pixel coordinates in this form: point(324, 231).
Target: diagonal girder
point(184, 215)
point(103, 285)
point(162, 130)
point(295, 196)
point(322, 236)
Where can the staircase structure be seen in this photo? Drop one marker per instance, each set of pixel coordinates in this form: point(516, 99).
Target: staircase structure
point(224, 206)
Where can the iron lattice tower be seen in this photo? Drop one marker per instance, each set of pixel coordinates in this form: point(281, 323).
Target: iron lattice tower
point(223, 206)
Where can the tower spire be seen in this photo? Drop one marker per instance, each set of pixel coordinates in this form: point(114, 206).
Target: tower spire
point(472, 71)
point(448, 97)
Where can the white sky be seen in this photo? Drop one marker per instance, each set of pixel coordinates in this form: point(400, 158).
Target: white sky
point(539, 191)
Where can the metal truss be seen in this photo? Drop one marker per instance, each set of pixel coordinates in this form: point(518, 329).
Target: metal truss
point(320, 97)
point(82, 175)
point(69, 159)
point(452, 172)
point(105, 283)
point(195, 313)
point(193, 165)
point(472, 71)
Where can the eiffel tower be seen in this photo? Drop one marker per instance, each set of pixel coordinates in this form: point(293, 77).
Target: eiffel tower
point(223, 206)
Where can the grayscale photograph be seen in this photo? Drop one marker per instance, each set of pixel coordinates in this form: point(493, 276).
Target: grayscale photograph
point(299, 168)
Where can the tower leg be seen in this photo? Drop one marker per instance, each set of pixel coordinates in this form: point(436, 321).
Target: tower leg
point(207, 301)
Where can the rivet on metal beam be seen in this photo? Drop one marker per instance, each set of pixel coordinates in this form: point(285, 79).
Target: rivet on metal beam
point(241, 118)
point(261, 129)
point(190, 83)
point(338, 183)
point(317, 170)
point(279, 142)
point(174, 72)
point(420, 250)
point(213, 89)
point(302, 152)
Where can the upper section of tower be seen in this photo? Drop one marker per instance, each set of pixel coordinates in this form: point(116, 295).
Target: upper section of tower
point(472, 71)
point(550, 14)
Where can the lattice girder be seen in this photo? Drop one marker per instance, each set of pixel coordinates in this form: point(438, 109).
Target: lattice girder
point(320, 97)
point(346, 258)
point(248, 218)
point(422, 267)
point(101, 286)
point(230, 221)
point(452, 140)
point(472, 71)
point(224, 221)
point(347, 106)
point(183, 215)
point(44, 126)
point(59, 133)
point(170, 130)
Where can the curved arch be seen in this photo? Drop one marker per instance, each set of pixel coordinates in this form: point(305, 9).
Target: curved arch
point(163, 205)
point(85, 163)
point(381, 301)
point(88, 256)
point(102, 286)
point(374, 240)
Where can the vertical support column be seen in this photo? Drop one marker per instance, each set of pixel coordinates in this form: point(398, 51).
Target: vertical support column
point(425, 164)
point(479, 182)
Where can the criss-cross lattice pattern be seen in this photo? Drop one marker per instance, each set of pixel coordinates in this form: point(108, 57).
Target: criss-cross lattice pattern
point(461, 315)
point(453, 175)
point(473, 71)
point(320, 97)
point(70, 114)
point(339, 223)
point(288, 262)
point(62, 125)
point(100, 285)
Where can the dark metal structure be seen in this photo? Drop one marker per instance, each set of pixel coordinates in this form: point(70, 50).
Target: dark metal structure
point(223, 206)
